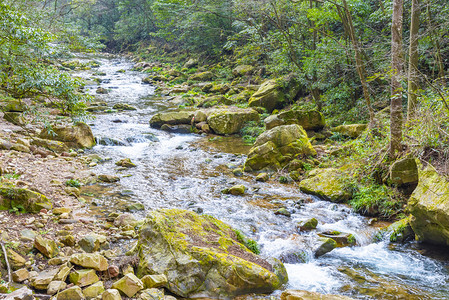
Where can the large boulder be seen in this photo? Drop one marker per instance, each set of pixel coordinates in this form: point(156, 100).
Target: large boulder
point(329, 184)
point(13, 105)
point(404, 172)
point(171, 118)
point(273, 149)
point(230, 121)
point(55, 146)
point(76, 136)
point(202, 258)
point(268, 96)
point(308, 119)
point(242, 70)
point(352, 130)
point(273, 94)
point(12, 197)
point(429, 206)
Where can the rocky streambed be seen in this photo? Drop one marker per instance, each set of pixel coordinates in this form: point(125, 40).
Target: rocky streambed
point(161, 210)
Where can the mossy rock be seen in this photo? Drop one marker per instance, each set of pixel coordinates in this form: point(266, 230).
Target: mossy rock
point(203, 76)
point(76, 136)
point(308, 119)
point(201, 257)
point(352, 130)
point(12, 197)
point(400, 231)
point(329, 184)
point(307, 295)
point(242, 70)
point(230, 121)
point(268, 96)
point(429, 206)
point(13, 105)
point(171, 118)
point(15, 118)
point(404, 172)
point(55, 146)
point(275, 148)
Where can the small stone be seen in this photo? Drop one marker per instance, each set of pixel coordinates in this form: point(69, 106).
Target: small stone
point(236, 190)
point(62, 210)
point(27, 235)
point(152, 294)
point(308, 224)
point(108, 178)
point(56, 261)
point(68, 240)
point(83, 277)
point(237, 172)
point(62, 273)
point(94, 290)
point(113, 271)
point(46, 246)
point(154, 281)
point(42, 281)
point(283, 211)
point(92, 242)
point(126, 163)
point(15, 259)
point(56, 286)
point(262, 177)
point(20, 275)
point(124, 220)
point(128, 270)
point(73, 293)
point(128, 284)
point(111, 294)
point(323, 246)
point(90, 260)
point(23, 293)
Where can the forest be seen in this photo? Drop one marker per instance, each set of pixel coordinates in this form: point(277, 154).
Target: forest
point(130, 123)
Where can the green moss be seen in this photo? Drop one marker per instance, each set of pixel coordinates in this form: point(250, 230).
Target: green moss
point(73, 183)
point(250, 244)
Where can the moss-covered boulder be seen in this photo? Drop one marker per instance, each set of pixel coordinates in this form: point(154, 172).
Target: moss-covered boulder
point(202, 76)
point(404, 172)
point(268, 96)
point(308, 119)
point(201, 257)
point(400, 231)
point(12, 105)
point(352, 130)
point(273, 149)
point(15, 118)
point(76, 136)
point(12, 197)
point(242, 70)
point(55, 146)
point(429, 206)
point(230, 121)
point(329, 184)
point(171, 118)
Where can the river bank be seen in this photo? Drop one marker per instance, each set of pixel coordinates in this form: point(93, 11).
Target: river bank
point(190, 171)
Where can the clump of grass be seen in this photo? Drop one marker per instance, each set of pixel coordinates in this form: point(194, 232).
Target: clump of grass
point(73, 183)
point(251, 131)
point(250, 244)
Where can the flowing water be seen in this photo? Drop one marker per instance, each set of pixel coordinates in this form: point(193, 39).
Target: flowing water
point(189, 171)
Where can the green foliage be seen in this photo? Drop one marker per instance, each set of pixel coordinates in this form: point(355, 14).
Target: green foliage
point(73, 183)
point(373, 200)
point(25, 71)
point(250, 244)
point(251, 131)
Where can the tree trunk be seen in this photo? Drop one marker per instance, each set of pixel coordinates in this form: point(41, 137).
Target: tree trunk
point(413, 61)
point(396, 89)
point(359, 62)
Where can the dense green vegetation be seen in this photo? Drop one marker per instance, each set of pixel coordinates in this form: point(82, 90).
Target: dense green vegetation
point(338, 52)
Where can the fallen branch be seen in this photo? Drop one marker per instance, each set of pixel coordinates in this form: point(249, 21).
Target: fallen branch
point(7, 262)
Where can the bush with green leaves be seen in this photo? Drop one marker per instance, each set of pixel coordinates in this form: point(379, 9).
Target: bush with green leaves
point(25, 64)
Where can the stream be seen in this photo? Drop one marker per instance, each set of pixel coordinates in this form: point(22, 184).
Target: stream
point(189, 171)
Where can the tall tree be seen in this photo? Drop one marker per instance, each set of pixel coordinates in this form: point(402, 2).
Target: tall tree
point(396, 89)
point(413, 61)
